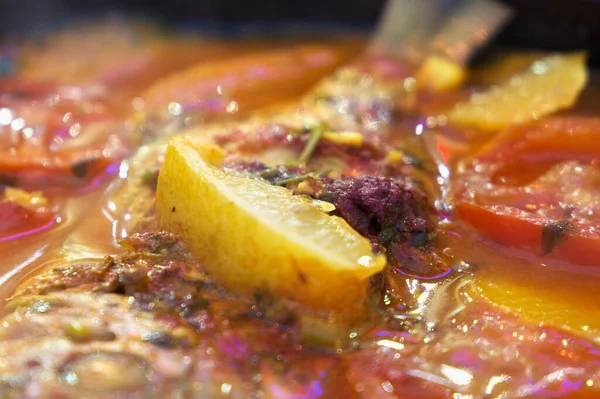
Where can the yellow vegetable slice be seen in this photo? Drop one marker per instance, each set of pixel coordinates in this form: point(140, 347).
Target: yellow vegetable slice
point(500, 67)
point(255, 238)
point(353, 139)
point(31, 200)
point(539, 299)
point(548, 85)
point(438, 74)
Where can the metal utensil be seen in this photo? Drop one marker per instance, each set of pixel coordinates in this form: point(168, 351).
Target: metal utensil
point(411, 30)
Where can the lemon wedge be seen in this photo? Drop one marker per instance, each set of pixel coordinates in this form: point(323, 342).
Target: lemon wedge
point(548, 85)
point(255, 238)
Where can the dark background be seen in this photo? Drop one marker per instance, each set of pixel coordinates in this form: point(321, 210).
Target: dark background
point(539, 24)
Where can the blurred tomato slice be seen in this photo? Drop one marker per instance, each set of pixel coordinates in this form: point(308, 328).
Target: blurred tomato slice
point(537, 187)
point(23, 213)
point(243, 83)
point(55, 137)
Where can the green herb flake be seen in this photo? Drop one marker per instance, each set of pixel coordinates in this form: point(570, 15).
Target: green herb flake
point(387, 235)
point(554, 233)
point(413, 160)
point(269, 173)
point(292, 179)
point(150, 179)
point(311, 145)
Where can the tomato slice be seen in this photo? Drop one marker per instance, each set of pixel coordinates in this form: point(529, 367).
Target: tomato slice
point(537, 187)
point(17, 220)
point(242, 84)
point(54, 137)
point(516, 228)
point(551, 139)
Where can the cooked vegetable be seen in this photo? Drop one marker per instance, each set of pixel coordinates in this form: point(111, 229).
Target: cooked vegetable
point(91, 53)
point(550, 84)
point(63, 146)
point(535, 187)
point(439, 74)
point(551, 139)
point(537, 298)
point(241, 84)
point(253, 236)
point(501, 67)
point(31, 200)
point(23, 213)
point(351, 139)
point(517, 228)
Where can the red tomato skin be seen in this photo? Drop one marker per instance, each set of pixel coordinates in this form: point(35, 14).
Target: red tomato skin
point(16, 220)
point(514, 228)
